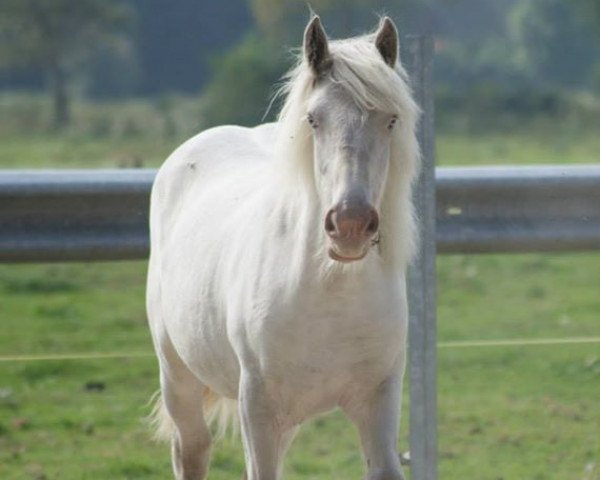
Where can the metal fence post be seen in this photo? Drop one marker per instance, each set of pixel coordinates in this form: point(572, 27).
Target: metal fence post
point(422, 277)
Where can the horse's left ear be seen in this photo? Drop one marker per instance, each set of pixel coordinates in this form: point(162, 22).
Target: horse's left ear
point(386, 41)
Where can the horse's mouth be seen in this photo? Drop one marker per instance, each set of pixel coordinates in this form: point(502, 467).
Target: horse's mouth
point(341, 258)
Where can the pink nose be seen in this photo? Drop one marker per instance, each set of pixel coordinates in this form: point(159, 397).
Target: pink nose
point(351, 222)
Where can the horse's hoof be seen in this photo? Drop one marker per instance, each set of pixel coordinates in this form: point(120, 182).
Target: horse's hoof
point(385, 475)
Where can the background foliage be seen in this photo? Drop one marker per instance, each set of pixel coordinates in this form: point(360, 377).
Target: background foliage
point(526, 56)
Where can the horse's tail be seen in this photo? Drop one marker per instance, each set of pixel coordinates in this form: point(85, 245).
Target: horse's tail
point(159, 419)
point(220, 414)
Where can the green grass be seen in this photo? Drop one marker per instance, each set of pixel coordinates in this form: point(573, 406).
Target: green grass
point(511, 413)
point(143, 133)
point(48, 151)
point(505, 412)
point(101, 135)
point(516, 148)
point(65, 151)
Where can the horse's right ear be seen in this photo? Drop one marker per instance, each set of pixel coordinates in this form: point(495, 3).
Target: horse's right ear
point(386, 41)
point(316, 49)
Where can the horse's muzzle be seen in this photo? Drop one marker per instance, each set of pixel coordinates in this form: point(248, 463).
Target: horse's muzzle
point(351, 229)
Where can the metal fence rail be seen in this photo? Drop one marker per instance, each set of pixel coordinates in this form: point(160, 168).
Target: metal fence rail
point(103, 215)
point(74, 215)
point(518, 209)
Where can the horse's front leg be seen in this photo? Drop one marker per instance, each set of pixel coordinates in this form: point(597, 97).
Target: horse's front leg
point(265, 439)
point(377, 416)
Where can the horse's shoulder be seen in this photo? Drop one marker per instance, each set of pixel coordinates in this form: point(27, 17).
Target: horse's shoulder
point(212, 153)
point(218, 147)
point(209, 159)
point(264, 134)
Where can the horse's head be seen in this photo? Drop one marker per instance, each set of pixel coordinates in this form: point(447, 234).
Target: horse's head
point(351, 142)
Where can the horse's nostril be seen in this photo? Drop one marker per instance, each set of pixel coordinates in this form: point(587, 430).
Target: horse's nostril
point(373, 224)
point(329, 225)
point(349, 223)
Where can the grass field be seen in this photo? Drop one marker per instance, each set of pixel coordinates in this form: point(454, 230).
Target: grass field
point(510, 413)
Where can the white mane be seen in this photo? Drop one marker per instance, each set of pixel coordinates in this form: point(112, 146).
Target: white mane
point(359, 68)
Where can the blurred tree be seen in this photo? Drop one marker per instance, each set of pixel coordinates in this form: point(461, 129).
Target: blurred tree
point(53, 35)
point(512, 55)
point(243, 77)
point(242, 83)
point(590, 10)
point(553, 43)
point(112, 72)
point(285, 19)
point(175, 40)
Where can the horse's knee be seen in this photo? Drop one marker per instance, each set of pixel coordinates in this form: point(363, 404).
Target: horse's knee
point(191, 439)
point(190, 455)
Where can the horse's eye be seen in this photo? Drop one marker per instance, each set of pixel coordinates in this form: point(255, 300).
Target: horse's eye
point(392, 122)
point(311, 120)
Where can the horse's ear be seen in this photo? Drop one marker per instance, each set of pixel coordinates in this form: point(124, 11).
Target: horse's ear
point(386, 41)
point(316, 50)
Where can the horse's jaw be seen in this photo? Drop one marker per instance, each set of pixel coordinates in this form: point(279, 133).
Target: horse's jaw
point(343, 259)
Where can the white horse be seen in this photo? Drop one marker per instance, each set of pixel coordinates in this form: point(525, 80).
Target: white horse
point(277, 273)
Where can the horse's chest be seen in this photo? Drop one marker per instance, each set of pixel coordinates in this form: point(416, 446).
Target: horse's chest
point(323, 347)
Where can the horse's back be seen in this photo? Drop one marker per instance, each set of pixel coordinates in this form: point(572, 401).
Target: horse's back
point(205, 158)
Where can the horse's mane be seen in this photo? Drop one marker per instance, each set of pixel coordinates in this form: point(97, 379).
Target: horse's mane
point(358, 67)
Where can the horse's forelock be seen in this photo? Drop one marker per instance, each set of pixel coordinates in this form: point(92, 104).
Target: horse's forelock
point(359, 68)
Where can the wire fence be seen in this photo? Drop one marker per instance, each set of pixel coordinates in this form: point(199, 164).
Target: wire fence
point(513, 342)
